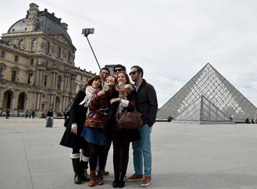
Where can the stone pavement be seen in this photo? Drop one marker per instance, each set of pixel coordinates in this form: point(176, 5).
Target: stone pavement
point(184, 156)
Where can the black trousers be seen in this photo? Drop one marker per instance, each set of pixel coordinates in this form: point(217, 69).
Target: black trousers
point(120, 160)
point(97, 151)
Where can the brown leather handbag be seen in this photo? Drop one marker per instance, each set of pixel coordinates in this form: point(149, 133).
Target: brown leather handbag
point(129, 120)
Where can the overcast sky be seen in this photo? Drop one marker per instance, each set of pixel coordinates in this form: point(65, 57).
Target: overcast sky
point(170, 39)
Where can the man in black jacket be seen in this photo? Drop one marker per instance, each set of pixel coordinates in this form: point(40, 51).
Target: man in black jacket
point(146, 104)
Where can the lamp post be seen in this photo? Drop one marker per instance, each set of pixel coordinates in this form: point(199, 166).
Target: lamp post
point(86, 32)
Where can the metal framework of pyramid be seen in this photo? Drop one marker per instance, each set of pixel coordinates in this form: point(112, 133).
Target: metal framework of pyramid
point(208, 96)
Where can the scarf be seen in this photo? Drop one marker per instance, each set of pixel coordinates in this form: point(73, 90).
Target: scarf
point(89, 93)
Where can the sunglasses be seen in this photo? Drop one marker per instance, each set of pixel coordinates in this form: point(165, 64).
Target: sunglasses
point(132, 73)
point(118, 70)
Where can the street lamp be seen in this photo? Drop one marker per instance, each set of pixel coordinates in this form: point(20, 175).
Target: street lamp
point(86, 32)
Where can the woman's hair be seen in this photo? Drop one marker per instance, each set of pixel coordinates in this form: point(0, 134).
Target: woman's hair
point(90, 81)
point(126, 76)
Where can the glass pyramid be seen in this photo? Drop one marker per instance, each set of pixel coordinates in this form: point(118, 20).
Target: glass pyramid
point(208, 85)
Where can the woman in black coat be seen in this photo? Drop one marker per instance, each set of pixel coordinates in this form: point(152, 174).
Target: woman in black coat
point(123, 137)
point(72, 139)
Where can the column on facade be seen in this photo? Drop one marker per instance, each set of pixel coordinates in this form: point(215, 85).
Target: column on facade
point(68, 87)
point(50, 101)
point(66, 82)
point(37, 73)
point(38, 101)
point(42, 72)
point(55, 79)
point(40, 76)
point(72, 83)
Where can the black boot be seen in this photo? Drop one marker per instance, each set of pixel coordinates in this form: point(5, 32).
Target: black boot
point(121, 181)
point(115, 183)
point(83, 167)
point(76, 168)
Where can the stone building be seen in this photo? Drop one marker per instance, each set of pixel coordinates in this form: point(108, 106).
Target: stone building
point(37, 69)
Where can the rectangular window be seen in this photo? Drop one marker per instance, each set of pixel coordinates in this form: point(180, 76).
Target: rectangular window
point(16, 58)
point(2, 54)
point(14, 74)
point(45, 80)
point(1, 73)
point(29, 78)
point(31, 61)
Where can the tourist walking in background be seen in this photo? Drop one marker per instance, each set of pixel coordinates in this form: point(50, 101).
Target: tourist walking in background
point(7, 114)
point(27, 114)
point(72, 139)
point(49, 118)
point(146, 104)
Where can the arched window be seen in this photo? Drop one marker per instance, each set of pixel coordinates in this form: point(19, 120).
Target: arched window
point(21, 101)
point(47, 49)
point(34, 45)
point(21, 44)
point(58, 55)
point(59, 79)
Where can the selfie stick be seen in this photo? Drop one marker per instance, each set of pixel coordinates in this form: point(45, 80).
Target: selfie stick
point(86, 32)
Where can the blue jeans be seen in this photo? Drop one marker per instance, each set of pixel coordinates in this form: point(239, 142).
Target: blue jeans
point(142, 152)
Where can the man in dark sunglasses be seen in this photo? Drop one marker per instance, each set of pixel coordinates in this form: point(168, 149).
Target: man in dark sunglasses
point(118, 68)
point(146, 104)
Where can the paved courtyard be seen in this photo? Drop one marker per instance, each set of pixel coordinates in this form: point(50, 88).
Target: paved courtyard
point(184, 156)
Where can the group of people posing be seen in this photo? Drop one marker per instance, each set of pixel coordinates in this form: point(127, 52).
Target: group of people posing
point(92, 127)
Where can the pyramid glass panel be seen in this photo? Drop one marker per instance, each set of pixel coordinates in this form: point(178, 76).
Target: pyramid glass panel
point(210, 84)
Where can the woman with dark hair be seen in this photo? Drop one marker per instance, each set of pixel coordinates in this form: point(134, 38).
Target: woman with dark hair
point(123, 137)
point(93, 131)
point(72, 138)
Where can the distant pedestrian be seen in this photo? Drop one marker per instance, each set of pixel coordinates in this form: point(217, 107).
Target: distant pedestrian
point(49, 118)
point(33, 114)
point(170, 118)
point(27, 114)
point(7, 114)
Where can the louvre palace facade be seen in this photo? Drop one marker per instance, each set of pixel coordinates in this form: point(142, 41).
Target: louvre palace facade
point(37, 68)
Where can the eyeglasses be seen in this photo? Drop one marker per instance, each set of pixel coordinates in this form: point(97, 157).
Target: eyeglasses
point(118, 70)
point(106, 73)
point(132, 73)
